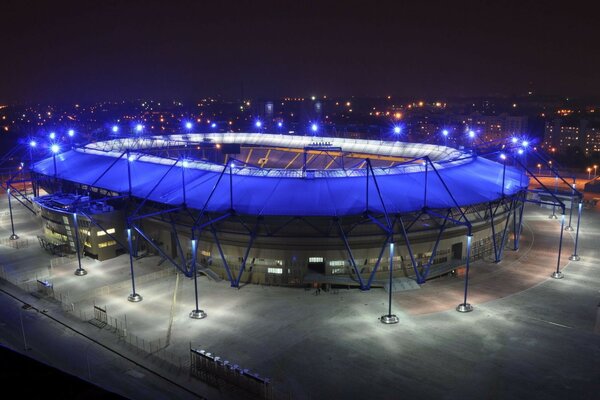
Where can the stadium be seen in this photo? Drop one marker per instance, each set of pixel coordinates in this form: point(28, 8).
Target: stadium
point(281, 209)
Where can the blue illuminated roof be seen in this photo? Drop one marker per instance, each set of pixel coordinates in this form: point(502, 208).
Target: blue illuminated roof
point(257, 191)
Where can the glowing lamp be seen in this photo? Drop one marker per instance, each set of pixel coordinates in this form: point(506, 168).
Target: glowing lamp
point(55, 148)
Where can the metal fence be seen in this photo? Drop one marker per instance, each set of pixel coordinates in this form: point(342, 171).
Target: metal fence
point(223, 374)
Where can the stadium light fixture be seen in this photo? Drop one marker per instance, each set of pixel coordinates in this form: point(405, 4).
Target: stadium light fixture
point(445, 132)
point(471, 134)
point(525, 143)
point(131, 158)
point(52, 135)
point(520, 151)
point(32, 143)
point(514, 140)
point(314, 127)
point(279, 124)
point(115, 128)
point(71, 132)
point(397, 130)
point(139, 128)
point(185, 163)
point(258, 124)
point(213, 125)
point(188, 125)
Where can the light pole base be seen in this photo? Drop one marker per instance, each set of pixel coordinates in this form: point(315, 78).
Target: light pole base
point(464, 308)
point(569, 228)
point(553, 216)
point(389, 319)
point(197, 314)
point(574, 257)
point(557, 275)
point(80, 272)
point(134, 298)
point(14, 236)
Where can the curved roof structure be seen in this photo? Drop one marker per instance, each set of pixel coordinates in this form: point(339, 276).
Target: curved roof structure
point(450, 178)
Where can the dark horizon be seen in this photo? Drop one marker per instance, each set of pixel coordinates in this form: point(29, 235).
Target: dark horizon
point(70, 51)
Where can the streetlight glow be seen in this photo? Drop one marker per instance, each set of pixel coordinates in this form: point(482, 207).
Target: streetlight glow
point(188, 125)
point(397, 130)
point(33, 143)
point(115, 128)
point(52, 135)
point(139, 127)
point(55, 148)
point(71, 132)
point(314, 127)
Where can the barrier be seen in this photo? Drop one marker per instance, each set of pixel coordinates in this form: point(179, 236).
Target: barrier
point(221, 373)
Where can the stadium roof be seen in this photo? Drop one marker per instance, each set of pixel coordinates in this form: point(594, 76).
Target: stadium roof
point(470, 179)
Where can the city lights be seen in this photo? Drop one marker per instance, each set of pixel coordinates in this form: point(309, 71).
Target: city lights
point(314, 127)
point(188, 125)
point(115, 128)
point(55, 148)
point(445, 132)
point(471, 134)
point(258, 124)
point(52, 135)
point(71, 132)
point(139, 128)
point(32, 143)
point(397, 130)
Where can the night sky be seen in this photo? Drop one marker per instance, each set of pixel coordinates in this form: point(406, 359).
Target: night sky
point(54, 51)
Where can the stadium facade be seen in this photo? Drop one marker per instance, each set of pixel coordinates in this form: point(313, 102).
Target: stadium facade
point(281, 209)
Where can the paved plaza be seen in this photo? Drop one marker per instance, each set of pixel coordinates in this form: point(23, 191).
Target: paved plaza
point(530, 336)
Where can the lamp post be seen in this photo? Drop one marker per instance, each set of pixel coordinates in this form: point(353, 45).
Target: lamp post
point(79, 271)
point(390, 318)
point(589, 171)
point(539, 169)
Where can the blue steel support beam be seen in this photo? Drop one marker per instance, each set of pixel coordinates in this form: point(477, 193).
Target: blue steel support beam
point(427, 266)
point(376, 267)
point(160, 251)
point(179, 248)
point(387, 217)
point(428, 160)
point(504, 233)
point(352, 260)
point(496, 259)
point(223, 259)
point(137, 210)
point(212, 192)
point(410, 252)
point(153, 214)
point(9, 191)
point(245, 259)
point(102, 228)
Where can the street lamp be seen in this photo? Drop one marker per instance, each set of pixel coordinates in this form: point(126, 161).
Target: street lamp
point(539, 169)
point(589, 171)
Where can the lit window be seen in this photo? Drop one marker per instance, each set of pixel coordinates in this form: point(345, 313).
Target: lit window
point(106, 244)
point(278, 271)
point(315, 259)
point(205, 253)
point(337, 263)
point(102, 233)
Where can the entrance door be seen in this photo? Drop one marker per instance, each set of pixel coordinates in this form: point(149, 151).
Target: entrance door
point(457, 251)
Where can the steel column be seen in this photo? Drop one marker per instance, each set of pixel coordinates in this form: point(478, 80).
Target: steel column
point(464, 306)
point(352, 260)
point(196, 313)
point(390, 318)
point(225, 264)
point(558, 274)
point(79, 271)
point(575, 256)
point(133, 297)
point(14, 236)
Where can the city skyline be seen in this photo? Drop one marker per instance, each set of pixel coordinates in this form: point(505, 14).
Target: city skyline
point(67, 50)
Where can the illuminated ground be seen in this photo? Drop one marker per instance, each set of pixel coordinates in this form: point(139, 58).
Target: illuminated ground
point(529, 337)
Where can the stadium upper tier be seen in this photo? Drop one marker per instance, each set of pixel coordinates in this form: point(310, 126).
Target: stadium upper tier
point(276, 191)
